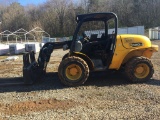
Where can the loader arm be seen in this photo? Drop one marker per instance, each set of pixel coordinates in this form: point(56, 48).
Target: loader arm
point(34, 69)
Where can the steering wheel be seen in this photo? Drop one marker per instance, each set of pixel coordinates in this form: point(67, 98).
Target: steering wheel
point(85, 39)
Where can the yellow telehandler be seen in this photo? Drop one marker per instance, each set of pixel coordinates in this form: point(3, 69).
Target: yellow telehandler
point(95, 46)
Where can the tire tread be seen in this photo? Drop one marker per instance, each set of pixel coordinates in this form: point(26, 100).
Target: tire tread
point(130, 67)
point(68, 60)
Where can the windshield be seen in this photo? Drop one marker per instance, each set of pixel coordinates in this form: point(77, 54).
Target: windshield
point(96, 30)
point(91, 29)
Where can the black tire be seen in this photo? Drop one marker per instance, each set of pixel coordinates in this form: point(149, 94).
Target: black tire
point(73, 78)
point(139, 69)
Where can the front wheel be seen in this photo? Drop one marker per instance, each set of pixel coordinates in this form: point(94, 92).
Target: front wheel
point(139, 69)
point(73, 71)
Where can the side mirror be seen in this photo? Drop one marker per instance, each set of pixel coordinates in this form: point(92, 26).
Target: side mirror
point(78, 46)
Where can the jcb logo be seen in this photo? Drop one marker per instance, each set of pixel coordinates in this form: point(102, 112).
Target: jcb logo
point(136, 44)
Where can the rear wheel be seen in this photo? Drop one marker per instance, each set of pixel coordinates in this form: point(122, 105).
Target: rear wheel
point(139, 69)
point(73, 71)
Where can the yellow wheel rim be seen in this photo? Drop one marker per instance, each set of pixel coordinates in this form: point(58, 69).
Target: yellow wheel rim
point(73, 72)
point(141, 70)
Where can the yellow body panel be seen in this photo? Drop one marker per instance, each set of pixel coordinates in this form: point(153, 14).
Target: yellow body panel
point(128, 46)
point(132, 41)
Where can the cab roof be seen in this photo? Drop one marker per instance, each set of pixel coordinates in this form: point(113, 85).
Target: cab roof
point(95, 17)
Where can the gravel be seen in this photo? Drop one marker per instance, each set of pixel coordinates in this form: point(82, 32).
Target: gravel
point(104, 96)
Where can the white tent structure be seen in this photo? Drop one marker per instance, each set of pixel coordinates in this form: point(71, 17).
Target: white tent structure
point(5, 35)
point(12, 34)
point(20, 33)
point(4, 48)
point(34, 46)
point(21, 30)
point(15, 47)
point(36, 30)
point(21, 40)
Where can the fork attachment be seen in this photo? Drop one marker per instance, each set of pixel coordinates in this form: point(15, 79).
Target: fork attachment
point(33, 70)
point(30, 68)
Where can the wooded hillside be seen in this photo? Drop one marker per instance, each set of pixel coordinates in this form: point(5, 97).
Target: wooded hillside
point(57, 17)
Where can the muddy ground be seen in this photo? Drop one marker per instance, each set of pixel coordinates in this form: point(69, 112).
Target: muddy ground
point(103, 96)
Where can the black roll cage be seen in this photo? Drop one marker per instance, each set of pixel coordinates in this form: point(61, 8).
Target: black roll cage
point(80, 19)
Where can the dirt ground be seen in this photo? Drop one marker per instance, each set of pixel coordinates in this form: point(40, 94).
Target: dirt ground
point(103, 96)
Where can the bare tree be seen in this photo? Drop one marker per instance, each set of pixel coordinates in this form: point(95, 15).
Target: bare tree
point(60, 7)
point(57, 17)
point(13, 17)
